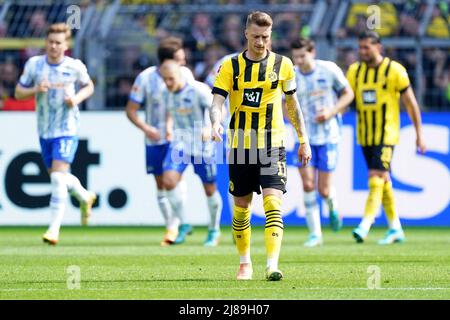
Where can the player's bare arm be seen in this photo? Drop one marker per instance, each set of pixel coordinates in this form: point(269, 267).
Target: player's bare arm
point(131, 111)
point(84, 93)
point(296, 118)
point(22, 93)
point(215, 114)
point(412, 107)
point(344, 100)
point(169, 126)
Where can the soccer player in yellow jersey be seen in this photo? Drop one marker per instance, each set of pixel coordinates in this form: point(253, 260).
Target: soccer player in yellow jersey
point(378, 82)
point(255, 81)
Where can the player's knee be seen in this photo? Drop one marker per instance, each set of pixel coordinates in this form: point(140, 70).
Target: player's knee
point(324, 191)
point(308, 186)
point(210, 188)
point(169, 182)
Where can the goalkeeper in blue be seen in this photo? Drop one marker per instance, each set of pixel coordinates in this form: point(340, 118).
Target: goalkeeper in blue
point(188, 106)
point(323, 93)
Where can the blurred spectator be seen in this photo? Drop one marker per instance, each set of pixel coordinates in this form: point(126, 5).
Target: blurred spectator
point(118, 93)
point(286, 28)
point(212, 55)
point(9, 74)
point(37, 25)
point(439, 24)
point(200, 37)
point(410, 14)
point(232, 35)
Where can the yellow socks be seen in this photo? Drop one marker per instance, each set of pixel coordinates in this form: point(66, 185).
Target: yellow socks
point(273, 232)
point(373, 202)
point(242, 232)
point(389, 206)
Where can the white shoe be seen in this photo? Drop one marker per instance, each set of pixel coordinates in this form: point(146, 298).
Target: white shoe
point(50, 238)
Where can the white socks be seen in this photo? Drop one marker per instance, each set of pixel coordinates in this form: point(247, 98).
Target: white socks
point(57, 201)
point(75, 188)
point(331, 200)
point(245, 259)
point(312, 213)
point(164, 206)
point(175, 198)
point(215, 210)
point(366, 223)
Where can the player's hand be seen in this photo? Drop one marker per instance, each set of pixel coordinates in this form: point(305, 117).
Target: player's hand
point(324, 114)
point(152, 133)
point(43, 86)
point(206, 134)
point(70, 101)
point(304, 153)
point(421, 147)
point(217, 132)
point(169, 135)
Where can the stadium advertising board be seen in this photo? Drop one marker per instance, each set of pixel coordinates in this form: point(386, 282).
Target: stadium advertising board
point(111, 161)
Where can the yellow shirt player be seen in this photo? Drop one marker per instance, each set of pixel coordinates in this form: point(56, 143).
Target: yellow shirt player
point(378, 82)
point(255, 81)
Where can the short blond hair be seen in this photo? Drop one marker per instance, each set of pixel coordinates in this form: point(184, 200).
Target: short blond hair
point(60, 28)
point(261, 19)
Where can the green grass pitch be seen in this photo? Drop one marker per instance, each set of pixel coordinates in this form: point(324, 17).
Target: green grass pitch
point(128, 263)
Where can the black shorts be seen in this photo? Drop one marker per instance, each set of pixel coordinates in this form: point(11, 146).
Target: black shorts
point(251, 170)
point(378, 157)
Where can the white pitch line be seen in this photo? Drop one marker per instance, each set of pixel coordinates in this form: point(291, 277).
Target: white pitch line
point(253, 288)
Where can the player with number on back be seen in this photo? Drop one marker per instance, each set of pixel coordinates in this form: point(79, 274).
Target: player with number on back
point(378, 82)
point(52, 79)
point(319, 83)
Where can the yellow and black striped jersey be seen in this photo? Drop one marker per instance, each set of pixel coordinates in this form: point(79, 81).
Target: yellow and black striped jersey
point(255, 89)
point(377, 92)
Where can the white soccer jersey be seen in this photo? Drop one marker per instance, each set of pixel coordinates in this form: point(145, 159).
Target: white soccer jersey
point(318, 90)
point(55, 118)
point(211, 78)
point(147, 89)
point(188, 108)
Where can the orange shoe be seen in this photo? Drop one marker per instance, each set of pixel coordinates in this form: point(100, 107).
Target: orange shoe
point(245, 272)
point(169, 237)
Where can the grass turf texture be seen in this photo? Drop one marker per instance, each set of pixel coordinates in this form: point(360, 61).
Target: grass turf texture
point(128, 263)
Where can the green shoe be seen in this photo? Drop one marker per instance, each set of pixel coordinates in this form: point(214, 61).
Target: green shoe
point(335, 221)
point(183, 231)
point(212, 240)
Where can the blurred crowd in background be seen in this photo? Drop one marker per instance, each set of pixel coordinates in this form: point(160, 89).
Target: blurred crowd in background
point(210, 36)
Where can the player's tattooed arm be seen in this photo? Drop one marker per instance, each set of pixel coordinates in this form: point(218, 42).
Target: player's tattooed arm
point(296, 118)
point(215, 114)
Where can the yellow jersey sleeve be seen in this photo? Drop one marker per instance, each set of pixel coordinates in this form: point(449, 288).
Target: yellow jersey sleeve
point(224, 79)
point(401, 77)
point(288, 76)
point(351, 75)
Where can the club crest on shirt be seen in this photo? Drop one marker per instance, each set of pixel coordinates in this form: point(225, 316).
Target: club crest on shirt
point(231, 186)
point(272, 76)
